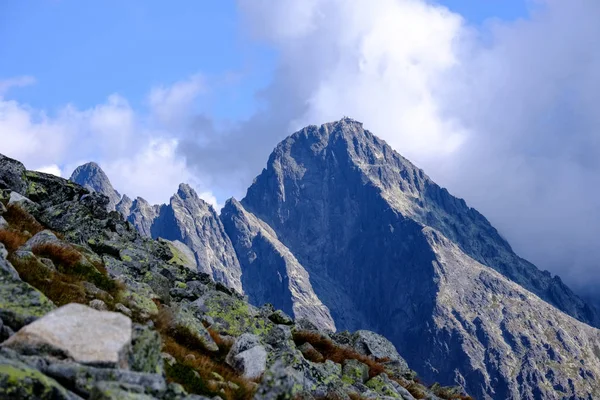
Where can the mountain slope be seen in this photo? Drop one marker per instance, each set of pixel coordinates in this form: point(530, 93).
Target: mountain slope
point(270, 272)
point(370, 227)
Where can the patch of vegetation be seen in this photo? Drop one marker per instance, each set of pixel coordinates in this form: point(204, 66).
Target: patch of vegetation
point(71, 262)
point(332, 351)
point(21, 221)
point(12, 239)
point(194, 369)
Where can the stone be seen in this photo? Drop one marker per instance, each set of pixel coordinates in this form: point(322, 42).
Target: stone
point(374, 345)
point(20, 303)
point(98, 304)
point(2, 208)
point(83, 379)
point(354, 371)
point(116, 391)
point(22, 201)
point(40, 238)
point(251, 363)
point(281, 318)
point(18, 381)
point(145, 351)
point(242, 343)
point(184, 319)
point(3, 222)
point(6, 268)
point(123, 310)
point(79, 332)
point(310, 353)
point(11, 174)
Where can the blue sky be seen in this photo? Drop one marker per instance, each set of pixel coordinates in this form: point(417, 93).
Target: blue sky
point(82, 51)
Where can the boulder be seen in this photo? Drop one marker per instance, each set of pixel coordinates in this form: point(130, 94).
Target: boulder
point(21, 382)
point(11, 174)
point(241, 344)
point(251, 363)
point(281, 318)
point(3, 222)
point(81, 333)
point(43, 237)
point(83, 379)
point(354, 371)
point(6, 268)
point(374, 345)
point(184, 319)
point(20, 303)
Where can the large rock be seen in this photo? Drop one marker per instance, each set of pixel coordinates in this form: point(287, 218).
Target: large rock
point(81, 333)
point(20, 303)
point(18, 381)
point(12, 174)
point(251, 363)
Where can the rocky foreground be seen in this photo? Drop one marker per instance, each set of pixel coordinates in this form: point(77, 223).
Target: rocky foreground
point(90, 309)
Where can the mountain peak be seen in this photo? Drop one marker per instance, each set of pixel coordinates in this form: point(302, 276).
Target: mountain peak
point(92, 177)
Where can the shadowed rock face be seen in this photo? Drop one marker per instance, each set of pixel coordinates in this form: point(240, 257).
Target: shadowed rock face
point(389, 250)
point(92, 177)
point(270, 272)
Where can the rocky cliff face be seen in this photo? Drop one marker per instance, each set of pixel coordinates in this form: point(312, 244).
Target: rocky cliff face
point(388, 249)
point(192, 221)
point(187, 219)
point(92, 177)
point(92, 309)
point(270, 272)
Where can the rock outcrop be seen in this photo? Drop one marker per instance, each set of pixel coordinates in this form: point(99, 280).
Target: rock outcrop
point(92, 177)
point(186, 219)
point(387, 249)
point(155, 329)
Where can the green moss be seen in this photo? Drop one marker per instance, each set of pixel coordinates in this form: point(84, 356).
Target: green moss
point(378, 384)
point(234, 317)
point(126, 258)
point(18, 381)
point(21, 303)
point(181, 285)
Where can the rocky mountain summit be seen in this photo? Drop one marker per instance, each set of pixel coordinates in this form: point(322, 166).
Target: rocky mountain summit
point(387, 249)
point(92, 309)
point(92, 177)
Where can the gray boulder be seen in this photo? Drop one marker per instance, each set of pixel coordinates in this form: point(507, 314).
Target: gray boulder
point(11, 174)
point(251, 363)
point(18, 381)
point(79, 332)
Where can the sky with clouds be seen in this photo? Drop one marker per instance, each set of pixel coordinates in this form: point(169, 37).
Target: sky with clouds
point(494, 99)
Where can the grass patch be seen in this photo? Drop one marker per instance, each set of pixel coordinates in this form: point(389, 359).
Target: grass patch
point(194, 369)
point(71, 262)
point(12, 240)
point(21, 221)
point(331, 351)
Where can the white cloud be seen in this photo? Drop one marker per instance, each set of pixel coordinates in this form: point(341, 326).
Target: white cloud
point(172, 104)
point(134, 148)
point(504, 114)
point(50, 169)
point(19, 81)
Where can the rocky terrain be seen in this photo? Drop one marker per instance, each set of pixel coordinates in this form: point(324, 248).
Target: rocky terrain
point(187, 219)
point(92, 309)
point(343, 231)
